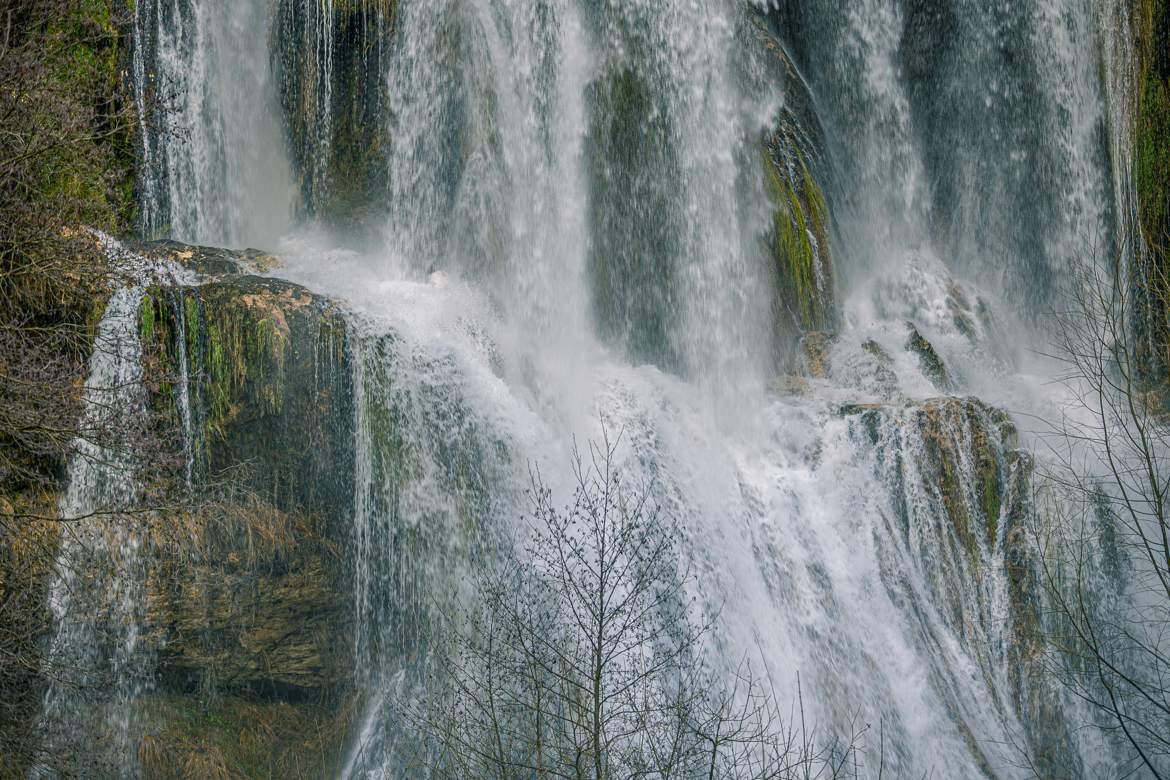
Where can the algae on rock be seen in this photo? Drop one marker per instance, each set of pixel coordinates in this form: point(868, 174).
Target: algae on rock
point(248, 600)
point(798, 240)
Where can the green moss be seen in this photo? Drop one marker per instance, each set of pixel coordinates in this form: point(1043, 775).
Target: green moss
point(146, 319)
point(235, 346)
point(990, 495)
point(931, 363)
point(83, 49)
point(799, 236)
point(244, 355)
point(1152, 130)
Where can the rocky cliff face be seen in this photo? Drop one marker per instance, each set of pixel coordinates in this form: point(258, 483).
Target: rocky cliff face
point(248, 598)
point(248, 614)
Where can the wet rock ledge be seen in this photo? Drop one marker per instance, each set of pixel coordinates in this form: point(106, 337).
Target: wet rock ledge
point(248, 607)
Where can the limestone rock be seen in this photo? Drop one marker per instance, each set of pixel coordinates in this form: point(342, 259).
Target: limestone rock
point(248, 592)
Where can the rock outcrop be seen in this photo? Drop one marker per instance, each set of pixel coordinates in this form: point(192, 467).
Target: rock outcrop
point(798, 239)
point(932, 365)
point(963, 500)
point(248, 608)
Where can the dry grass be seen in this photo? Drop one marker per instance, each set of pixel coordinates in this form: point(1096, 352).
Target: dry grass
point(237, 738)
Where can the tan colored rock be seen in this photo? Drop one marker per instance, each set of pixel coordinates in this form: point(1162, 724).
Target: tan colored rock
point(245, 597)
point(814, 351)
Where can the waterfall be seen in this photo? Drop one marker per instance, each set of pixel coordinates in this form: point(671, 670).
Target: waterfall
point(97, 664)
point(212, 166)
point(566, 229)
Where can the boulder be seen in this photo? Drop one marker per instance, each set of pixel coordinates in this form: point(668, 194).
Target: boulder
point(932, 365)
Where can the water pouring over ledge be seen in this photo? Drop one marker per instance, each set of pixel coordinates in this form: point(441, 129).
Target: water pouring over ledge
point(573, 232)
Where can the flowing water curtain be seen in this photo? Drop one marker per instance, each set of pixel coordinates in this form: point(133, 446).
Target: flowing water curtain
point(1010, 199)
point(329, 59)
point(677, 276)
point(555, 155)
point(434, 485)
point(98, 662)
point(212, 161)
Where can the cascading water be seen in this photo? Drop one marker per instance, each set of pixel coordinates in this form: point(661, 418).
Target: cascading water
point(212, 161)
point(96, 660)
point(574, 240)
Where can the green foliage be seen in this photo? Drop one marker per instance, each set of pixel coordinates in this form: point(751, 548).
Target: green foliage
point(1152, 141)
point(65, 165)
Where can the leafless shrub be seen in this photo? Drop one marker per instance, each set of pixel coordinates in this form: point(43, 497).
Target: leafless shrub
point(1106, 549)
point(579, 658)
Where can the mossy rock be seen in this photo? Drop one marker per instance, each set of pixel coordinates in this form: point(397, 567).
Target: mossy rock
point(815, 349)
point(798, 240)
point(877, 352)
point(966, 454)
point(988, 430)
point(969, 462)
point(249, 593)
point(269, 385)
point(929, 361)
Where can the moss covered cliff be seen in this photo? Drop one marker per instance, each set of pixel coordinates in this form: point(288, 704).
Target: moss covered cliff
point(247, 608)
point(247, 614)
